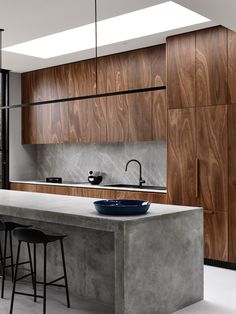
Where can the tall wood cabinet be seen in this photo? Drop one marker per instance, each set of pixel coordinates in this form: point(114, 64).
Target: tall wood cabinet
point(198, 131)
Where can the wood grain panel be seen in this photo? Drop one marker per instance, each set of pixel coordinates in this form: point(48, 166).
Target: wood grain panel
point(87, 121)
point(113, 73)
point(232, 66)
point(159, 116)
point(181, 156)
point(146, 67)
point(211, 66)
point(136, 69)
point(117, 118)
point(181, 71)
point(151, 197)
point(23, 187)
point(212, 145)
point(216, 236)
point(82, 78)
point(99, 193)
point(232, 156)
point(53, 189)
point(232, 235)
point(140, 116)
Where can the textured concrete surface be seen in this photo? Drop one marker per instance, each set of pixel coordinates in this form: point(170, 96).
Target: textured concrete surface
point(143, 264)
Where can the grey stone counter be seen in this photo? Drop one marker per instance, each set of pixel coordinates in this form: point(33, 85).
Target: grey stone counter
point(148, 264)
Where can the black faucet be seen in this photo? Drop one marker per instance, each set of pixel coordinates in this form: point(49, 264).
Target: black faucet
point(141, 181)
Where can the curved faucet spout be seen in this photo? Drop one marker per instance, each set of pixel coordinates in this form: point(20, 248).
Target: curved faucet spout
point(141, 181)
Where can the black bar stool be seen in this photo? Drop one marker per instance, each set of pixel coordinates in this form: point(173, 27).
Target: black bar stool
point(7, 227)
point(34, 236)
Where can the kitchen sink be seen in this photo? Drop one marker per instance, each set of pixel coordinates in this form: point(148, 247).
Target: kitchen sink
point(149, 187)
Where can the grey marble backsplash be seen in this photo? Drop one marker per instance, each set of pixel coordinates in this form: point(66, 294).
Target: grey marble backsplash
point(73, 161)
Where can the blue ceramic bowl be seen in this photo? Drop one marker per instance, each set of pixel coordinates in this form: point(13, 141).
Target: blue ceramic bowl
point(122, 207)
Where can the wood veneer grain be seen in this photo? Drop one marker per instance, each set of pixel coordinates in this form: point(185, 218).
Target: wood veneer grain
point(87, 121)
point(216, 236)
point(232, 66)
point(159, 116)
point(181, 156)
point(181, 71)
point(211, 66)
point(212, 146)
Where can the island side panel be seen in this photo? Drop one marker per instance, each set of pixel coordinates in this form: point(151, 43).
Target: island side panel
point(164, 263)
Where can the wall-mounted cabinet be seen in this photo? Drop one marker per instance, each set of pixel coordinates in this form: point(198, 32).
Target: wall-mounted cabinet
point(143, 68)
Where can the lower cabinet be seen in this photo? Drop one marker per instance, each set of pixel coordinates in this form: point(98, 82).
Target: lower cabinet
point(90, 192)
point(216, 235)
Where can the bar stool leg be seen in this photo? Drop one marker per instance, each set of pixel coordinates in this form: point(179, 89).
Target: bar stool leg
point(1, 258)
point(44, 278)
point(31, 269)
point(4, 264)
point(65, 274)
point(15, 277)
point(12, 261)
point(35, 275)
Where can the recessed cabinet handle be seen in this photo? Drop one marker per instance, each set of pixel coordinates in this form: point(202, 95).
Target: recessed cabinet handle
point(197, 178)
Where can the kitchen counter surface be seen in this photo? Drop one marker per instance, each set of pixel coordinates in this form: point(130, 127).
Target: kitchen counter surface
point(78, 211)
point(90, 186)
point(150, 263)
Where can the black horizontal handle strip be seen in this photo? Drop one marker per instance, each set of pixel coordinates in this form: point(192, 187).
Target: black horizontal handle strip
point(54, 101)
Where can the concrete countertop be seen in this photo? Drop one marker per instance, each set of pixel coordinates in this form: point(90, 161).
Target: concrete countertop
point(73, 210)
point(90, 186)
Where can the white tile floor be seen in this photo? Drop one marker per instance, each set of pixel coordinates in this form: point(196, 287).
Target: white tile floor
point(220, 298)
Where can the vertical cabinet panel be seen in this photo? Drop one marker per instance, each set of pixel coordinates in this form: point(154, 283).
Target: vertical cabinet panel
point(117, 118)
point(82, 78)
point(211, 66)
point(212, 146)
point(137, 69)
point(87, 121)
point(181, 175)
point(232, 66)
point(232, 181)
point(159, 116)
point(216, 236)
point(181, 71)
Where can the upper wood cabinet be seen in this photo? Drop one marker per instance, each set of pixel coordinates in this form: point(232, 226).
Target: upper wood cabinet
point(136, 117)
point(232, 66)
point(211, 66)
point(181, 71)
point(137, 69)
point(87, 121)
point(181, 157)
point(212, 146)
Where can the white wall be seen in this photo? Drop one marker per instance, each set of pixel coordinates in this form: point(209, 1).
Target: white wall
point(22, 157)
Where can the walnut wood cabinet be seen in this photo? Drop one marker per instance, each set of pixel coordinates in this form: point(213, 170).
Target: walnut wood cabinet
point(211, 66)
point(142, 68)
point(181, 157)
point(231, 67)
point(181, 70)
point(90, 192)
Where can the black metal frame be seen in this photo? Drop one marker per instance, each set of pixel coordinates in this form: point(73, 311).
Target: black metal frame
point(5, 127)
point(33, 274)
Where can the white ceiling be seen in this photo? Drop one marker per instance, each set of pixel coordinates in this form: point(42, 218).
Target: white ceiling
point(26, 20)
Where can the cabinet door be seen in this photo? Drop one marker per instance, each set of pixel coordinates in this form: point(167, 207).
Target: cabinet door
point(181, 71)
point(216, 235)
point(87, 121)
point(232, 181)
point(117, 118)
point(212, 145)
point(142, 68)
point(159, 116)
point(232, 66)
point(181, 174)
point(82, 78)
point(211, 66)
point(146, 67)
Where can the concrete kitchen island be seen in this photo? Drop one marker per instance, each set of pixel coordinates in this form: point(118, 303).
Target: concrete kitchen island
point(149, 264)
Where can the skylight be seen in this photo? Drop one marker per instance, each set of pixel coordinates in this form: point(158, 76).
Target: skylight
point(149, 21)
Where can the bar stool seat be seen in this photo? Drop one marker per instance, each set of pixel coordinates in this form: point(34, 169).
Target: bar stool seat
point(8, 227)
point(35, 237)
